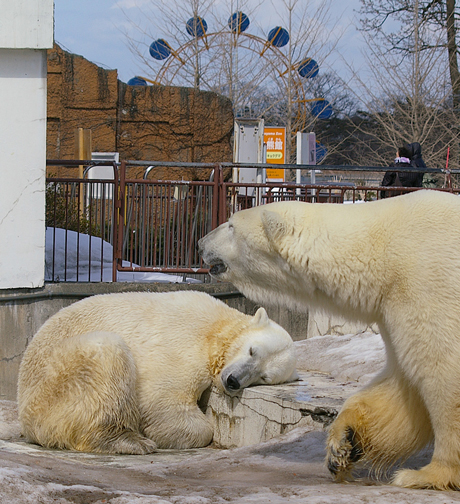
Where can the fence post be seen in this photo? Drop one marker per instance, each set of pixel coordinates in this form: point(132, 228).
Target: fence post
point(116, 185)
point(215, 198)
point(119, 190)
point(222, 197)
point(448, 180)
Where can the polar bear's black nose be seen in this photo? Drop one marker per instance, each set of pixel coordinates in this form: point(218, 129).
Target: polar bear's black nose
point(233, 383)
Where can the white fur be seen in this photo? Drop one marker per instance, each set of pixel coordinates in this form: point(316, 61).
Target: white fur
point(122, 373)
point(395, 262)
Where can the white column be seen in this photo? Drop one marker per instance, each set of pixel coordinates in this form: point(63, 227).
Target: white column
point(26, 32)
point(22, 167)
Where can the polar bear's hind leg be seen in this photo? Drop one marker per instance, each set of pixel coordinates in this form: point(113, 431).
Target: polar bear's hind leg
point(86, 400)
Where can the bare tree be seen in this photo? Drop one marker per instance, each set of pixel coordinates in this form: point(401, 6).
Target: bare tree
point(389, 21)
point(403, 93)
point(239, 62)
point(407, 97)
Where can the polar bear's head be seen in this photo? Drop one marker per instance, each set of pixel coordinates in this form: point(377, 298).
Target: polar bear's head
point(263, 355)
point(249, 250)
point(239, 246)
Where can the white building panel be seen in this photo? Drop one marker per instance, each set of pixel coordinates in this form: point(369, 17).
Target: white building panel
point(23, 149)
point(26, 24)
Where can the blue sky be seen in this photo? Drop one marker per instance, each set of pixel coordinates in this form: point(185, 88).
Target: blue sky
point(91, 28)
point(96, 30)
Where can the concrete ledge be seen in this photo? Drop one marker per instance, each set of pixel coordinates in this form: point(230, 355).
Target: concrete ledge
point(261, 413)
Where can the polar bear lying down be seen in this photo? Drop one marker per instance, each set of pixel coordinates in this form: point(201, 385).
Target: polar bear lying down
point(122, 373)
point(395, 262)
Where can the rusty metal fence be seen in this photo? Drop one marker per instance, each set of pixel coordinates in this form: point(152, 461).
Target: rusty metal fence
point(161, 223)
point(128, 226)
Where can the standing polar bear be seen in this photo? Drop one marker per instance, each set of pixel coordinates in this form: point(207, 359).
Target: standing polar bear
point(395, 262)
point(122, 373)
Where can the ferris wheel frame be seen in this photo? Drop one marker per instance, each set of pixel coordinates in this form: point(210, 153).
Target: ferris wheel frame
point(187, 53)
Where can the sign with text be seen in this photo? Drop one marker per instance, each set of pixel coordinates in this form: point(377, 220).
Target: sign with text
point(275, 139)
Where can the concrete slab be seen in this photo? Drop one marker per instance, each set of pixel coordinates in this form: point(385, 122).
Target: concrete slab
point(260, 413)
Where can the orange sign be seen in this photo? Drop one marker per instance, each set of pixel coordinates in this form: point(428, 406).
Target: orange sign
point(275, 139)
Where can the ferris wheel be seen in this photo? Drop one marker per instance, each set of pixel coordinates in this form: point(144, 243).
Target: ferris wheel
point(233, 62)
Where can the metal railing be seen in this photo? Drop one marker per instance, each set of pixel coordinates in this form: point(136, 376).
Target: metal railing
point(133, 227)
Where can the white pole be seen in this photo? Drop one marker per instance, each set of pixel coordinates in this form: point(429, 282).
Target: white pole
point(312, 161)
point(299, 158)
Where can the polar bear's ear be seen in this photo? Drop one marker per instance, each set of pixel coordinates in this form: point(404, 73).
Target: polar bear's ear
point(275, 226)
point(261, 317)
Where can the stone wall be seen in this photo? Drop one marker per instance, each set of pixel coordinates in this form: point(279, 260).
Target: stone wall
point(158, 123)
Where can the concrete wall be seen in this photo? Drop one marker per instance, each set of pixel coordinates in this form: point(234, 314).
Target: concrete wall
point(26, 31)
point(23, 312)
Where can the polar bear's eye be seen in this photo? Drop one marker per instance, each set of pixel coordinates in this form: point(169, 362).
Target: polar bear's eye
point(252, 351)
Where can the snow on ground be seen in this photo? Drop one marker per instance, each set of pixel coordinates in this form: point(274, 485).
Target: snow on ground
point(285, 470)
point(68, 253)
point(350, 357)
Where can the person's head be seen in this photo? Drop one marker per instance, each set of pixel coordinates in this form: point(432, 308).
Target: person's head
point(416, 149)
point(405, 151)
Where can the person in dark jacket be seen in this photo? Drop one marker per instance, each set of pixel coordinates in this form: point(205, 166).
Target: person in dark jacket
point(416, 159)
point(407, 156)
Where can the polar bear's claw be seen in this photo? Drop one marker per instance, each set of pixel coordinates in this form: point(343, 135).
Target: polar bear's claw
point(343, 454)
point(356, 450)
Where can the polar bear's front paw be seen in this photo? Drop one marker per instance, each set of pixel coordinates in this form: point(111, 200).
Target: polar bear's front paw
point(342, 453)
point(435, 476)
point(147, 446)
